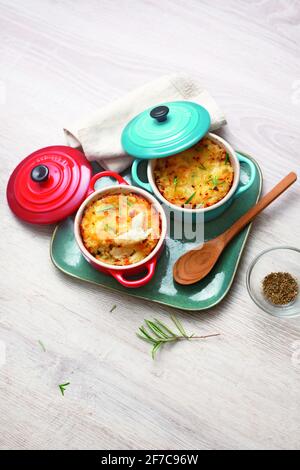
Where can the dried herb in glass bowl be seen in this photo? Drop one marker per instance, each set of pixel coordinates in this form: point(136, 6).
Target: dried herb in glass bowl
point(280, 288)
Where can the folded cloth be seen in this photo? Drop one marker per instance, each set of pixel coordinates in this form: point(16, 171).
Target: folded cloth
point(100, 135)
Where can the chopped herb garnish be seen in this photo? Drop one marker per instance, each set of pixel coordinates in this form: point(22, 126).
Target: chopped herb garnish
point(215, 181)
point(104, 208)
point(227, 158)
point(129, 203)
point(108, 228)
point(201, 166)
point(175, 181)
point(113, 308)
point(62, 387)
point(42, 345)
point(190, 198)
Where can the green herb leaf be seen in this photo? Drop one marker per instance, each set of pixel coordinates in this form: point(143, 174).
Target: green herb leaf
point(146, 335)
point(129, 203)
point(159, 330)
point(215, 181)
point(113, 308)
point(163, 325)
point(155, 349)
point(145, 339)
point(155, 329)
point(62, 387)
point(108, 228)
point(190, 198)
point(104, 208)
point(178, 324)
point(227, 158)
point(42, 345)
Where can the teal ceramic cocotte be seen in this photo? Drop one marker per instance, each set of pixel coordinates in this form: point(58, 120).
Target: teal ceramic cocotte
point(169, 129)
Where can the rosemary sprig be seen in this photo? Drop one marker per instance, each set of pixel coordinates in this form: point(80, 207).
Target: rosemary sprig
point(158, 333)
point(62, 387)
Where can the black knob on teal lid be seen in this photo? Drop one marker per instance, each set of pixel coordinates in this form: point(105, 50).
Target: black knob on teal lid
point(165, 129)
point(159, 113)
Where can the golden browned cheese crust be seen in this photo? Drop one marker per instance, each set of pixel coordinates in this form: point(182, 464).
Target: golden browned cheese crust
point(111, 229)
point(198, 177)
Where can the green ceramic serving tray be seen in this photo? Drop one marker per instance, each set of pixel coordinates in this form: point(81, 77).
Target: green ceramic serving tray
point(162, 289)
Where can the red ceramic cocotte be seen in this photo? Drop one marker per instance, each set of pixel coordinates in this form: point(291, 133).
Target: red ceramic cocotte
point(144, 268)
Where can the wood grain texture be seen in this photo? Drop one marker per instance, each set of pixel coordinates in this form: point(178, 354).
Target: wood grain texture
point(59, 61)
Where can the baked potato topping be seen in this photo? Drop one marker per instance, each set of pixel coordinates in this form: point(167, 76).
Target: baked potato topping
point(120, 229)
point(195, 178)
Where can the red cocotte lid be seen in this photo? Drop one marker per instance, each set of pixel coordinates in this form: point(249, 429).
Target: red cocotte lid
point(49, 184)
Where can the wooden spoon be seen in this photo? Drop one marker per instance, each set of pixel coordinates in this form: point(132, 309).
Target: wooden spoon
point(197, 263)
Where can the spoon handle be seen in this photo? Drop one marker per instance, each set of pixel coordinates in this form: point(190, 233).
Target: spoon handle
point(282, 186)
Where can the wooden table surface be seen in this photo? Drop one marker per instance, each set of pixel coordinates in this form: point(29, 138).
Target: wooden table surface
point(62, 60)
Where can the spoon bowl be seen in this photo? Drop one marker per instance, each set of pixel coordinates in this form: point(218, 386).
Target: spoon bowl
point(186, 269)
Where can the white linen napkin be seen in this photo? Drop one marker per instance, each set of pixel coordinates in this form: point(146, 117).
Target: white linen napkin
point(100, 135)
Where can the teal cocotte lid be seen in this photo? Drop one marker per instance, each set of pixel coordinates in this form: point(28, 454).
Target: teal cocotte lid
point(165, 130)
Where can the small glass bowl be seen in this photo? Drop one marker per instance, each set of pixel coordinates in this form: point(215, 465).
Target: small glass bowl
point(278, 259)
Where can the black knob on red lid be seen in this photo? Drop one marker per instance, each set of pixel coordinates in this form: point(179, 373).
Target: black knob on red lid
point(40, 173)
point(159, 113)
